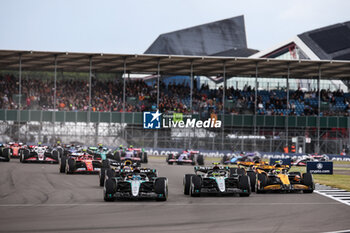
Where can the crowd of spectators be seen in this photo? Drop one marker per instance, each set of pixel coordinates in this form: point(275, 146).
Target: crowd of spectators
point(73, 95)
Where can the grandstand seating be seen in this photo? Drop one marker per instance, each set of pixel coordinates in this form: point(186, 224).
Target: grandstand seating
point(108, 96)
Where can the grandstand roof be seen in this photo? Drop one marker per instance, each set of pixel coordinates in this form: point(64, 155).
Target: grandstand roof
point(171, 64)
point(225, 37)
point(331, 42)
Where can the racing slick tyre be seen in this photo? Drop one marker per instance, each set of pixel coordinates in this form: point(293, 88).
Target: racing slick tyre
point(70, 166)
point(109, 190)
point(110, 173)
point(55, 155)
point(102, 176)
point(240, 171)
point(60, 152)
point(200, 159)
point(187, 183)
point(262, 181)
point(105, 163)
point(233, 171)
point(145, 157)
point(237, 171)
point(224, 159)
point(170, 156)
point(63, 162)
point(196, 184)
point(117, 156)
point(252, 178)
point(244, 185)
point(24, 156)
point(161, 188)
point(308, 181)
point(6, 154)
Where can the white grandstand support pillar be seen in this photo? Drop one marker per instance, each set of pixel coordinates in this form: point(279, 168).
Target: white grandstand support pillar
point(223, 106)
point(191, 93)
point(287, 114)
point(54, 98)
point(158, 77)
point(55, 84)
point(191, 99)
point(124, 86)
point(90, 82)
point(19, 96)
point(255, 102)
point(318, 108)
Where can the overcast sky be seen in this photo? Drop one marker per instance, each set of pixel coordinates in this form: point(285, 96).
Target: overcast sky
point(130, 26)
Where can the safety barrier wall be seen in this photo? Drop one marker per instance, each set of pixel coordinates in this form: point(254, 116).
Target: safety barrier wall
point(136, 118)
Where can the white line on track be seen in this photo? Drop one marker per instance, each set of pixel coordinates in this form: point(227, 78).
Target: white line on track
point(164, 204)
point(335, 195)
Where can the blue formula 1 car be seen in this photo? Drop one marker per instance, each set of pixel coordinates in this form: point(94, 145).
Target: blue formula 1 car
point(241, 157)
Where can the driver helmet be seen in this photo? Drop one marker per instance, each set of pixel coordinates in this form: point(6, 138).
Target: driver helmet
point(120, 146)
point(131, 146)
point(127, 163)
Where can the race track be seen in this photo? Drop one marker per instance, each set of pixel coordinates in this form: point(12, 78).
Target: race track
point(37, 198)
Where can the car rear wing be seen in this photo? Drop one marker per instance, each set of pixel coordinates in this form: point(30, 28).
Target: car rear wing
point(205, 169)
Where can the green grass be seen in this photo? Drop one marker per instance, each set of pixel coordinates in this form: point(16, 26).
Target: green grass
point(337, 181)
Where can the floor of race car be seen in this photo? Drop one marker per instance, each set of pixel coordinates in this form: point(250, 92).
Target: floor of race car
point(37, 198)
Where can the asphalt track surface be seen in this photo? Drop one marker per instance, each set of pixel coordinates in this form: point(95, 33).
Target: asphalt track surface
point(37, 198)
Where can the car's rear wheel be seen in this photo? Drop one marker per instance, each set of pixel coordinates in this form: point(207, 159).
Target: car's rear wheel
point(308, 181)
point(24, 156)
point(252, 178)
point(105, 163)
point(200, 159)
point(70, 166)
point(244, 185)
point(102, 176)
point(262, 181)
point(110, 173)
point(187, 183)
point(145, 157)
point(6, 154)
point(55, 155)
point(224, 159)
point(117, 156)
point(63, 162)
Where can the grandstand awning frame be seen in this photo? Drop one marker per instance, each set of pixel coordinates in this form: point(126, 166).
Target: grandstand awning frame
point(172, 64)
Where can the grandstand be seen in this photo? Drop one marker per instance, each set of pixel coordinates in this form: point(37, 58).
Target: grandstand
point(105, 103)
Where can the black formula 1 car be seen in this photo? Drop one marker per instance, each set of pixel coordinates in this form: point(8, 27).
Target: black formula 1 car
point(138, 183)
point(5, 153)
point(110, 166)
point(136, 155)
point(186, 157)
point(38, 153)
point(216, 180)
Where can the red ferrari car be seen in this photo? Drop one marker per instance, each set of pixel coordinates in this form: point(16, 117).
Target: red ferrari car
point(80, 163)
point(15, 149)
